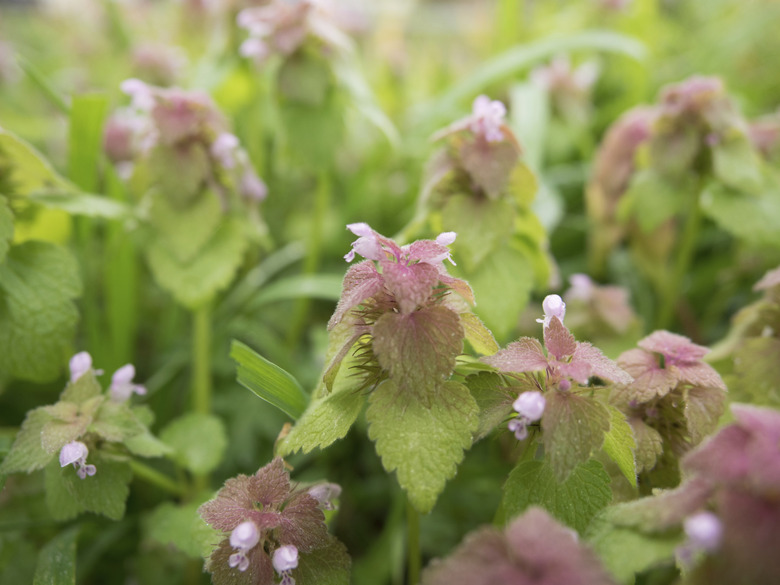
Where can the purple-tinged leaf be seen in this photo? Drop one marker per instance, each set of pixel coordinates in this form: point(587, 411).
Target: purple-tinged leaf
point(362, 281)
point(701, 374)
point(650, 379)
point(601, 365)
point(259, 572)
point(574, 427)
point(489, 163)
point(523, 355)
point(649, 444)
point(418, 349)
point(459, 286)
point(533, 550)
point(675, 348)
point(703, 408)
point(558, 340)
point(428, 251)
point(580, 372)
point(770, 280)
point(410, 285)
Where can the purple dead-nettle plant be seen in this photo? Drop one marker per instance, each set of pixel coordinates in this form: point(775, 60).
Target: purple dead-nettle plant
point(569, 88)
point(271, 526)
point(597, 311)
point(558, 389)
point(282, 27)
point(122, 386)
point(674, 401)
point(80, 364)
point(534, 549)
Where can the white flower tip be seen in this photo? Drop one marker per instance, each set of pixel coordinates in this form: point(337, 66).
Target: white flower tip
point(361, 229)
point(285, 558)
point(123, 375)
point(245, 536)
point(80, 364)
point(73, 452)
point(704, 530)
point(530, 405)
point(553, 306)
point(446, 238)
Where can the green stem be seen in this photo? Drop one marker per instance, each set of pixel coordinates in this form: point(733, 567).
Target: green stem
point(414, 556)
point(685, 252)
point(201, 359)
point(311, 263)
point(154, 477)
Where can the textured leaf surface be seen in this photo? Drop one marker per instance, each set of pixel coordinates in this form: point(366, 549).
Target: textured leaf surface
point(489, 164)
point(575, 502)
point(703, 408)
point(493, 399)
point(482, 226)
point(57, 560)
point(268, 381)
point(649, 445)
point(116, 422)
point(418, 349)
point(620, 445)
point(626, 552)
point(182, 527)
point(329, 565)
point(574, 427)
point(502, 285)
point(757, 370)
point(479, 336)
point(753, 218)
point(104, 493)
point(27, 453)
point(212, 270)
point(38, 283)
point(523, 355)
point(424, 445)
point(198, 440)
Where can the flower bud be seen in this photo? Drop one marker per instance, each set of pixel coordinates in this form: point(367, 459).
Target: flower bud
point(530, 405)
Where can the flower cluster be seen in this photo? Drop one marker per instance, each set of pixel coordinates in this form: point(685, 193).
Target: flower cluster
point(185, 125)
point(270, 525)
point(598, 310)
point(675, 398)
point(282, 27)
point(533, 549)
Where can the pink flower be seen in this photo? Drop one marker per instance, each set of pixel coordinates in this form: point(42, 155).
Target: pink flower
point(122, 386)
point(75, 453)
point(487, 118)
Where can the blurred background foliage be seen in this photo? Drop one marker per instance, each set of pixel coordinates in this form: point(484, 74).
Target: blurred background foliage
point(417, 65)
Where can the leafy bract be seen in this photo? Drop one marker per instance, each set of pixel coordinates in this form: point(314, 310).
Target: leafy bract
point(423, 444)
point(418, 349)
point(574, 427)
point(198, 440)
point(38, 283)
point(575, 502)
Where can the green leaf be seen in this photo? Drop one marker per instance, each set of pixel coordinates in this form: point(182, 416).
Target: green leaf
point(502, 285)
point(493, 398)
point(37, 316)
point(757, 371)
point(327, 565)
point(147, 445)
point(751, 218)
point(211, 271)
point(651, 200)
point(27, 453)
point(183, 232)
point(268, 381)
point(418, 349)
point(84, 388)
point(575, 502)
point(180, 526)
point(703, 408)
point(574, 427)
point(116, 422)
point(85, 139)
point(6, 227)
point(424, 444)
point(649, 445)
point(736, 162)
point(314, 132)
point(626, 552)
point(57, 560)
point(479, 336)
point(23, 169)
point(85, 204)
point(104, 493)
point(482, 226)
point(198, 441)
point(620, 445)
point(178, 173)
point(329, 418)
